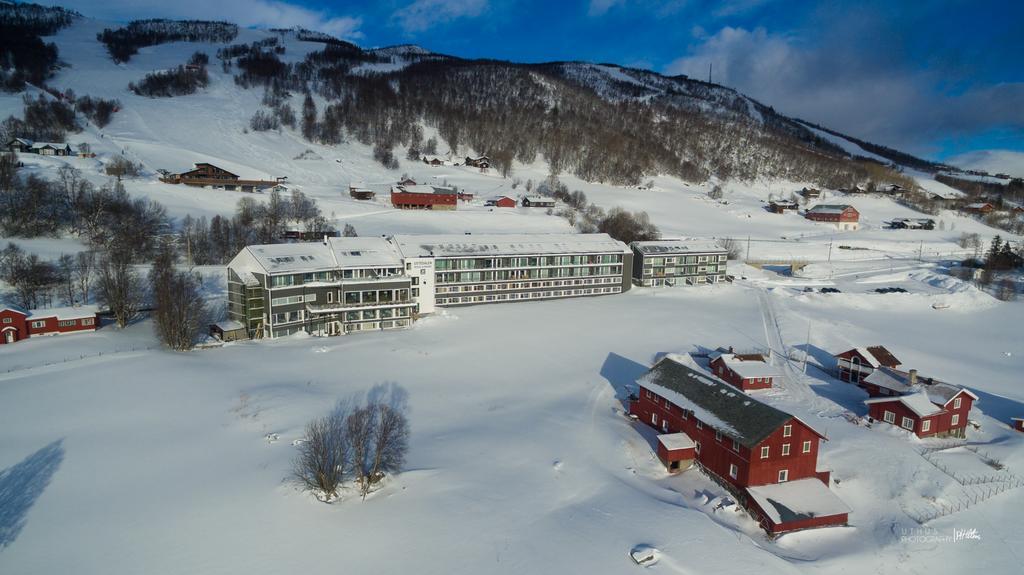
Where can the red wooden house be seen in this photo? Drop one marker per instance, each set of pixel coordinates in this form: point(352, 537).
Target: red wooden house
point(1018, 423)
point(923, 406)
point(857, 363)
point(746, 371)
point(978, 208)
point(17, 324)
point(843, 216)
point(503, 202)
point(423, 197)
point(743, 442)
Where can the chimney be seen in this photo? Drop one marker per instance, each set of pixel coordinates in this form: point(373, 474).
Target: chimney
point(913, 377)
point(730, 349)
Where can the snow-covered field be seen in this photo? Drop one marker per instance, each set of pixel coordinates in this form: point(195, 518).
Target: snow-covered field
point(120, 457)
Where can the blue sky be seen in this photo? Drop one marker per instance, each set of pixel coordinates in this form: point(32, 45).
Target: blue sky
point(932, 78)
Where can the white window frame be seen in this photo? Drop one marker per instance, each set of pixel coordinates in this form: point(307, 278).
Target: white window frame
point(904, 421)
point(926, 425)
point(807, 446)
point(765, 451)
point(889, 417)
point(956, 419)
point(700, 424)
point(735, 446)
point(783, 475)
point(718, 436)
point(734, 470)
point(654, 419)
point(956, 403)
point(785, 449)
point(696, 447)
point(787, 430)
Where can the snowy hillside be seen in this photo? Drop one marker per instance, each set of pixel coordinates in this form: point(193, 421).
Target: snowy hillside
point(121, 457)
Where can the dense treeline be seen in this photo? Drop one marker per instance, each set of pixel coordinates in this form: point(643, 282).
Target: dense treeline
point(180, 81)
point(123, 43)
point(608, 131)
point(45, 119)
point(105, 217)
point(221, 238)
point(24, 57)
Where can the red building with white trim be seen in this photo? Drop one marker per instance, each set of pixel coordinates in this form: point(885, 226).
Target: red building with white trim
point(923, 406)
point(17, 324)
point(741, 441)
point(856, 364)
point(1018, 423)
point(747, 371)
point(845, 217)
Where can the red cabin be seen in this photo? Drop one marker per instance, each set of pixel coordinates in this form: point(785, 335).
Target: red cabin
point(747, 371)
point(856, 364)
point(742, 441)
point(17, 324)
point(1018, 423)
point(923, 406)
point(504, 202)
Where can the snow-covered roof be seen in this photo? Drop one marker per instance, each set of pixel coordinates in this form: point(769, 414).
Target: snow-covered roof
point(676, 441)
point(717, 404)
point(335, 253)
point(877, 356)
point(229, 325)
point(797, 500)
point(659, 247)
point(747, 368)
point(938, 392)
point(918, 402)
point(41, 145)
point(829, 209)
point(977, 205)
point(506, 244)
point(14, 308)
point(425, 189)
point(65, 313)
point(539, 199)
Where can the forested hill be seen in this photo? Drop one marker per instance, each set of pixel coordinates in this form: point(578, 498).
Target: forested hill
point(601, 122)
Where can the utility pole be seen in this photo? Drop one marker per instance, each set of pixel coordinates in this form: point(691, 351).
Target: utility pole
point(748, 248)
point(807, 349)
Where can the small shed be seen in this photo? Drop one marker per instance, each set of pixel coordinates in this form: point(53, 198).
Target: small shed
point(676, 451)
point(228, 330)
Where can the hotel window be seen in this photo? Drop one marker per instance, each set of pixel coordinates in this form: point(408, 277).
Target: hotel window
point(807, 447)
point(787, 430)
point(764, 452)
point(956, 403)
point(733, 470)
point(907, 423)
point(330, 297)
point(783, 475)
point(785, 449)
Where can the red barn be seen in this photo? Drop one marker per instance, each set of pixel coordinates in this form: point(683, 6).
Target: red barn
point(17, 324)
point(742, 441)
point(503, 202)
point(856, 364)
point(843, 216)
point(423, 197)
point(745, 371)
point(923, 406)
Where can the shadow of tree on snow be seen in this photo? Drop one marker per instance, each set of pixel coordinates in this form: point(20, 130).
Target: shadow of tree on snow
point(22, 484)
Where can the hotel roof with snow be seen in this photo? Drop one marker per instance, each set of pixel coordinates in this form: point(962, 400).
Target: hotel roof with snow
point(453, 245)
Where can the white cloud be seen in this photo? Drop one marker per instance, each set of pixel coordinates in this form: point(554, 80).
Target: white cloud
point(1008, 162)
point(856, 88)
point(425, 14)
point(248, 13)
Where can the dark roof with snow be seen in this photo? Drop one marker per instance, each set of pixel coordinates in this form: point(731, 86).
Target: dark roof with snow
point(884, 356)
point(740, 416)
